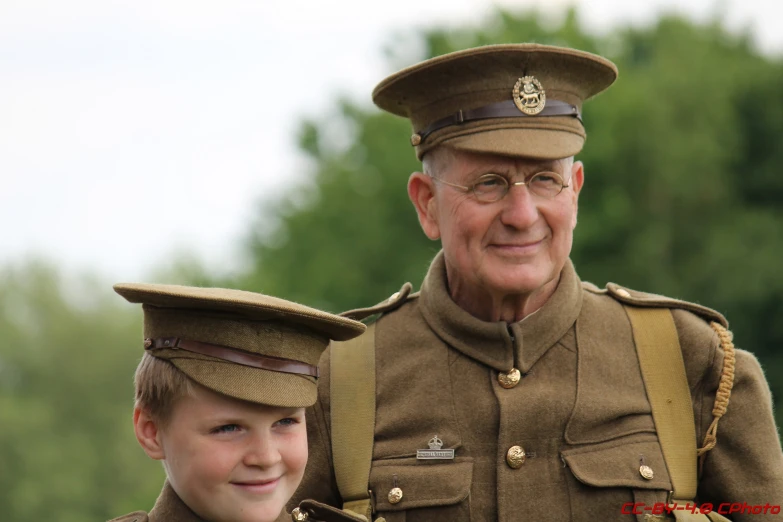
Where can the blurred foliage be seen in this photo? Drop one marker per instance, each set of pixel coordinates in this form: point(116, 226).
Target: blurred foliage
point(67, 354)
point(683, 197)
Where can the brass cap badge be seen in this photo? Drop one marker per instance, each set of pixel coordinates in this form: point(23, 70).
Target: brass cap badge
point(529, 96)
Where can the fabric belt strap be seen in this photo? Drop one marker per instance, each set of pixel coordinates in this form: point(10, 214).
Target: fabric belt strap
point(504, 109)
point(663, 371)
point(264, 362)
point(352, 396)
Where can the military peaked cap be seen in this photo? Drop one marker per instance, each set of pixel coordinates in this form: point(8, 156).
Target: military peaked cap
point(521, 100)
point(242, 344)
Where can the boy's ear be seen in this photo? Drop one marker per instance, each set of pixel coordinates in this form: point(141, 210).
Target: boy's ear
point(148, 434)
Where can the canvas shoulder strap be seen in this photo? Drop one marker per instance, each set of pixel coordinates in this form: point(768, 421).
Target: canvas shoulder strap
point(352, 398)
point(663, 371)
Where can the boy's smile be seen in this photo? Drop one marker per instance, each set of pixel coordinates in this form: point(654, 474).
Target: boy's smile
point(227, 459)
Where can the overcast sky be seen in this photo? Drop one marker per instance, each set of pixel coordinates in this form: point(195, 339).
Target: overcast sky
point(133, 129)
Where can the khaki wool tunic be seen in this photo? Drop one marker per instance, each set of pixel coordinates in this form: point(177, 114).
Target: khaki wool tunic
point(580, 412)
point(168, 508)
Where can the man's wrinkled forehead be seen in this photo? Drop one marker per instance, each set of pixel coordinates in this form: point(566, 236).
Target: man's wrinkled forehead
point(447, 161)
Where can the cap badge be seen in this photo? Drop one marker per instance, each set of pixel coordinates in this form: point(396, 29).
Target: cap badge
point(435, 452)
point(529, 96)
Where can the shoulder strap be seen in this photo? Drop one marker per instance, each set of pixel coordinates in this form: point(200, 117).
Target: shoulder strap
point(352, 400)
point(396, 300)
point(136, 516)
point(663, 371)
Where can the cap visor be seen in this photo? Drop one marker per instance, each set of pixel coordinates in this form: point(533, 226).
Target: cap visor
point(528, 143)
point(268, 387)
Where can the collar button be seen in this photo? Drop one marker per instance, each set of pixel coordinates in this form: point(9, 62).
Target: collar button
point(510, 379)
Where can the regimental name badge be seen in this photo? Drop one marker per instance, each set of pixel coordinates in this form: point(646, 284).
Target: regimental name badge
point(435, 452)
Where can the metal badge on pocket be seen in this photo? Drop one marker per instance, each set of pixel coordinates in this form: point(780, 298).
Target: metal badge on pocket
point(435, 452)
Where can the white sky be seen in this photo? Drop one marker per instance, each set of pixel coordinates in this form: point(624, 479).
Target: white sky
point(132, 129)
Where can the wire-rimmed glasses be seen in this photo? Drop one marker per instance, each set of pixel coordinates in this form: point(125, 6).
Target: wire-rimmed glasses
point(493, 187)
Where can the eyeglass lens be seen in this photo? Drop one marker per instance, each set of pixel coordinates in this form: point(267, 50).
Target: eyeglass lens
point(492, 187)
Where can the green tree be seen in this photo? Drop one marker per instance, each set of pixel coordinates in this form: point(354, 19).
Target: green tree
point(67, 353)
point(682, 195)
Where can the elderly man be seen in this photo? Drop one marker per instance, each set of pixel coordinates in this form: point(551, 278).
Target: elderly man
point(507, 389)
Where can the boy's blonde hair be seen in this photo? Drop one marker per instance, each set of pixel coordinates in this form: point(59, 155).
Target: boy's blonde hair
point(159, 385)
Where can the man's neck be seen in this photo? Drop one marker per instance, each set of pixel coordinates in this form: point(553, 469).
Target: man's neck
point(496, 306)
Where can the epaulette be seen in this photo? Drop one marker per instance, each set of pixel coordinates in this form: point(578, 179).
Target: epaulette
point(635, 298)
point(396, 300)
point(136, 516)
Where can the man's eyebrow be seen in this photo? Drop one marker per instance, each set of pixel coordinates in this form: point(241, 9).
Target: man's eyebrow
point(504, 169)
point(545, 165)
point(535, 168)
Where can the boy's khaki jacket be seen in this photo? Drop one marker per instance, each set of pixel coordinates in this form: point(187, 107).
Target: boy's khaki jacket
point(168, 508)
point(579, 413)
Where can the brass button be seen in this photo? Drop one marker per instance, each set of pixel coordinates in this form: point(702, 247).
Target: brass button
point(622, 292)
point(395, 495)
point(510, 379)
point(415, 139)
point(299, 515)
point(515, 457)
point(646, 472)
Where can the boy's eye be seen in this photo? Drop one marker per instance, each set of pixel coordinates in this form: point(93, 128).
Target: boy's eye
point(288, 421)
point(226, 428)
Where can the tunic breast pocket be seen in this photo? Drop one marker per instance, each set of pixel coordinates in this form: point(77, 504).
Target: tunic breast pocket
point(407, 490)
point(622, 479)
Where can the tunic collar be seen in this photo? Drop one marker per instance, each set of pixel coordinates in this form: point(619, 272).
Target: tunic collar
point(500, 345)
point(170, 508)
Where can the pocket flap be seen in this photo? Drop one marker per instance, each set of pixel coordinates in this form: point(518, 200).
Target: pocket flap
point(423, 483)
point(618, 464)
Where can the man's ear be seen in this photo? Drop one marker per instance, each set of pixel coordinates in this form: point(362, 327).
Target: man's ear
point(577, 176)
point(422, 194)
point(577, 182)
point(148, 433)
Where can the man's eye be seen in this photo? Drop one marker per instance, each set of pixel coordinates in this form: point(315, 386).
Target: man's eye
point(226, 428)
point(489, 182)
point(545, 178)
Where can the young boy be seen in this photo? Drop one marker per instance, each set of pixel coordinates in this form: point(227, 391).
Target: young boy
point(220, 398)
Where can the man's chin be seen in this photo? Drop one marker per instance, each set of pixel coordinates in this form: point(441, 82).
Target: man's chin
point(516, 282)
point(516, 254)
point(515, 285)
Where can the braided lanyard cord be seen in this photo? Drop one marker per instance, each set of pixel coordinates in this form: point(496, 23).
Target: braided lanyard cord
point(723, 393)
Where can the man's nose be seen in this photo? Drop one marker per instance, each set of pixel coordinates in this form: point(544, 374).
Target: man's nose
point(519, 207)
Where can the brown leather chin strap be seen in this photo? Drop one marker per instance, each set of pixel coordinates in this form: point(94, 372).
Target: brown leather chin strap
point(233, 355)
point(504, 109)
